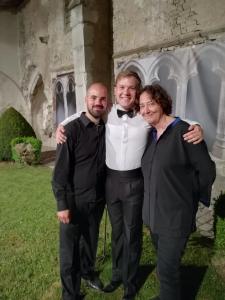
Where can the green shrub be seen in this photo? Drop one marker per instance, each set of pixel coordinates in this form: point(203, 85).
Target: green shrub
point(12, 125)
point(26, 150)
point(219, 222)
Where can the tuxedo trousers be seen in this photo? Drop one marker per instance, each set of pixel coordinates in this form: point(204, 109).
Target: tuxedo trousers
point(124, 198)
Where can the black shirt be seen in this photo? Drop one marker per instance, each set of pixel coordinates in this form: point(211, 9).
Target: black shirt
point(79, 173)
point(176, 175)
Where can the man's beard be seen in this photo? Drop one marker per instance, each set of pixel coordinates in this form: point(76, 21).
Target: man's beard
point(95, 114)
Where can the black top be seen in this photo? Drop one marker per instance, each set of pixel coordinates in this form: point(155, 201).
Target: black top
point(176, 175)
point(79, 172)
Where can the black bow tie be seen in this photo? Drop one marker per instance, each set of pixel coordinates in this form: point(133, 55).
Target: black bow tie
point(120, 113)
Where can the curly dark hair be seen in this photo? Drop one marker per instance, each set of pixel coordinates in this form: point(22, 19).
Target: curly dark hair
point(160, 95)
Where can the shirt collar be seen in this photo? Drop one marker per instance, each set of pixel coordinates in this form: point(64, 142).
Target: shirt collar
point(177, 119)
point(119, 107)
point(86, 121)
point(172, 124)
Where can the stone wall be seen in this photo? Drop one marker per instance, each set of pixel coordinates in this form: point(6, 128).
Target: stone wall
point(10, 91)
point(9, 63)
point(35, 48)
point(47, 39)
point(142, 25)
point(45, 51)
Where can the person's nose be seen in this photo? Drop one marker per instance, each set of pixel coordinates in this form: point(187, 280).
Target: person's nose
point(97, 101)
point(146, 109)
point(126, 91)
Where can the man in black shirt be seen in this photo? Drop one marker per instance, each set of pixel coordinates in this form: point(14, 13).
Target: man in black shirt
point(78, 185)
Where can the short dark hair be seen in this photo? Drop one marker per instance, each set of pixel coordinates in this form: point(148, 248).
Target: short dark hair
point(160, 95)
point(128, 73)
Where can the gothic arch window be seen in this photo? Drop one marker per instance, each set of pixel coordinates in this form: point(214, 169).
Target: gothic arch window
point(64, 97)
point(60, 109)
point(70, 96)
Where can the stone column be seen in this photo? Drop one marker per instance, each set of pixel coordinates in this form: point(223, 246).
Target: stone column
point(219, 146)
point(91, 38)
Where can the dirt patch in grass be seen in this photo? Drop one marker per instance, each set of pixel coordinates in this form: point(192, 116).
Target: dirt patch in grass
point(51, 293)
point(5, 163)
point(219, 264)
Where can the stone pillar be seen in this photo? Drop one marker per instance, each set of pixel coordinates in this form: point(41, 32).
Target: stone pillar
point(219, 146)
point(91, 38)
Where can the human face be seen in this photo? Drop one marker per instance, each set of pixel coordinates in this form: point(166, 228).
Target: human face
point(126, 92)
point(96, 100)
point(150, 110)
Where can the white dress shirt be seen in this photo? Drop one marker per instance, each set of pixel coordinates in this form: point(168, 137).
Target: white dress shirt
point(125, 140)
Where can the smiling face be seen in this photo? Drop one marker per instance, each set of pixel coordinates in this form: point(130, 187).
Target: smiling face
point(126, 91)
point(150, 110)
point(96, 100)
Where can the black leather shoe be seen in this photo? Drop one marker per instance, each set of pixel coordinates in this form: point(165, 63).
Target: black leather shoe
point(112, 286)
point(94, 282)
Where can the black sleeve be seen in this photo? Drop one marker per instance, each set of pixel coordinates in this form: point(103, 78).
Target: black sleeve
point(205, 170)
point(62, 179)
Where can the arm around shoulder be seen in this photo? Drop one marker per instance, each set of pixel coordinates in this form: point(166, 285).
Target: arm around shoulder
point(195, 132)
point(71, 118)
point(60, 131)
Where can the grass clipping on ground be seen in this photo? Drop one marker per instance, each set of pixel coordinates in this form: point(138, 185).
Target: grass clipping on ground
point(29, 247)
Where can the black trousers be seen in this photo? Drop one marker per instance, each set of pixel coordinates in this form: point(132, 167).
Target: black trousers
point(169, 253)
point(124, 197)
point(89, 239)
point(78, 247)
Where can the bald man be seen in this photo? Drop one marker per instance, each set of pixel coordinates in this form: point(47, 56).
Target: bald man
point(78, 186)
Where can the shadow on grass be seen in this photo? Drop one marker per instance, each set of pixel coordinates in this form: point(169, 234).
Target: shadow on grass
point(191, 280)
point(201, 241)
point(143, 273)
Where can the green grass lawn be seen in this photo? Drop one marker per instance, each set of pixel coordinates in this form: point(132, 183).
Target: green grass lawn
point(29, 247)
